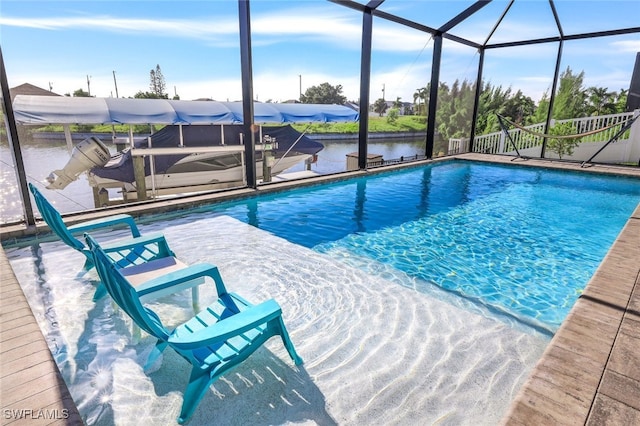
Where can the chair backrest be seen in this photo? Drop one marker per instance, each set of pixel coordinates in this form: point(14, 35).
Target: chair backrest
point(54, 220)
point(123, 293)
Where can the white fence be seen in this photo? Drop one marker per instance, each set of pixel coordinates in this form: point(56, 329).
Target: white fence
point(625, 150)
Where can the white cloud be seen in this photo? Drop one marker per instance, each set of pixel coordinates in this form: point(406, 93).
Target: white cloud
point(158, 27)
point(626, 46)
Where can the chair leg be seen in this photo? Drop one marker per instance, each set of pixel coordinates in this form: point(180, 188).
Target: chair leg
point(199, 382)
point(101, 291)
point(195, 298)
point(155, 353)
point(288, 344)
point(88, 264)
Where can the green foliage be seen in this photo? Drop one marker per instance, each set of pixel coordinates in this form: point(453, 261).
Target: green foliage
point(315, 128)
point(563, 146)
point(455, 105)
point(157, 84)
point(542, 110)
point(455, 108)
point(392, 116)
point(421, 99)
point(149, 95)
point(323, 94)
point(83, 128)
point(404, 123)
point(380, 106)
point(81, 94)
point(570, 101)
point(139, 129)
point(600, 101)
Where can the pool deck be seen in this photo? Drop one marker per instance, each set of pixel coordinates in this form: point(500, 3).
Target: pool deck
point(589, 373)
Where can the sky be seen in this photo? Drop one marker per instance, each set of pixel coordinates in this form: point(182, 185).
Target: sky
point(108, 48)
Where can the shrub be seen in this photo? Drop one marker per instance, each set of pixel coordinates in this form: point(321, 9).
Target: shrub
point(562, 146)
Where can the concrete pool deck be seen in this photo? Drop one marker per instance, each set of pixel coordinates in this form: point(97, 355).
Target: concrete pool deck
point(589, 373)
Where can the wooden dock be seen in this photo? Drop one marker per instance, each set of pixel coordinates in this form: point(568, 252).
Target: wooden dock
point(589, 373)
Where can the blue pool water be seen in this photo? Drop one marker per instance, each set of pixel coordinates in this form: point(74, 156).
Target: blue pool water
point(521, 241)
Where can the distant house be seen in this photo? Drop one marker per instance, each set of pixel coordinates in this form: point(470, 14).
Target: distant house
point(29, 89)
point(406, 108)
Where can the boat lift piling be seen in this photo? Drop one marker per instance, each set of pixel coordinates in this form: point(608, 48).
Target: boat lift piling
point(268, 145)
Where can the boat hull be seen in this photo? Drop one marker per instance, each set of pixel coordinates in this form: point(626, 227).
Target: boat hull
point(221, 178)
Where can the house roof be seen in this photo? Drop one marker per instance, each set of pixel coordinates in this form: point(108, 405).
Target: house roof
point(29, 89)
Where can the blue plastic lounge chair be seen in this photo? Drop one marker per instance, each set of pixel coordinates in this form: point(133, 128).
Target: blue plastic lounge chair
point(157, 260)
point(150, 254)
point(214, 341)
point(53, 218)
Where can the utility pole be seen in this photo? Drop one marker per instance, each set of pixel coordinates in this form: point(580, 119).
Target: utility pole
point(89, 84)
point(300, 89)
point(115, 83)
point(383, 91)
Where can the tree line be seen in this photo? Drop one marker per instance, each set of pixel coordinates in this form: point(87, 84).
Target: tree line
point(455, 102)
point(157, 87)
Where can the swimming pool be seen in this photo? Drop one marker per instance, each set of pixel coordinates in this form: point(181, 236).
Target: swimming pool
point(520, 241)
point(344, 261)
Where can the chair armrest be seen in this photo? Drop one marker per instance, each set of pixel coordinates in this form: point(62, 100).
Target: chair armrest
point(125, 252)
point(106, 222)
point(182, 276)
point(228, 327)
point(131, 243)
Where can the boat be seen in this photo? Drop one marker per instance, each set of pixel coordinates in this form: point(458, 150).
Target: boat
point(201, 143)
point(220, 168)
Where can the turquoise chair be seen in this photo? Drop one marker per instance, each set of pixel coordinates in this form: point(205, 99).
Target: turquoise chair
point(150, 254)
point(143, 259)
point(53, 218)
point(214, 341)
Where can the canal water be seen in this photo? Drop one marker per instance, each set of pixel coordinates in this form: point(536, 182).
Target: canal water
point(41, 157)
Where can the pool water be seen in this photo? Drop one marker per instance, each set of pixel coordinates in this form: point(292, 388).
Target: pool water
point(520, 241)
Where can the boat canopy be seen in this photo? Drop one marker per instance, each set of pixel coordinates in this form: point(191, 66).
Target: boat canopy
point(41, 110)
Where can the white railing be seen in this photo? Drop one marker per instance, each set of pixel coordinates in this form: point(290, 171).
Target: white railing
point(498, 143)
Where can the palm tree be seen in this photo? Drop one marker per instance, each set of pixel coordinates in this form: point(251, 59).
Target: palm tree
point(380, 106)
point(421, 93)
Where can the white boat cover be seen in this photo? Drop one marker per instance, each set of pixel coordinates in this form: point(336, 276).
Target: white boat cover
point(30, 109)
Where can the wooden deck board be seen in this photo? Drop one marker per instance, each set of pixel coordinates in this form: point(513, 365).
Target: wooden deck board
point(32, 391)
